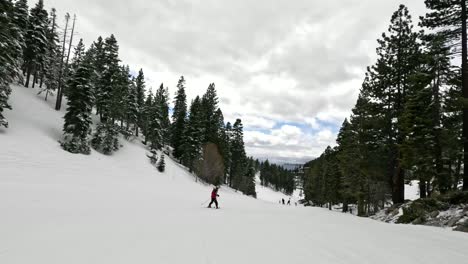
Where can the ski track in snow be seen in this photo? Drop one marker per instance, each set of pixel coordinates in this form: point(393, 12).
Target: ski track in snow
point(58, 207)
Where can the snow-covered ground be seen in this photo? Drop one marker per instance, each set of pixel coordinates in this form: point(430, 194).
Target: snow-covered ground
point(412, 190)
point(57, 207)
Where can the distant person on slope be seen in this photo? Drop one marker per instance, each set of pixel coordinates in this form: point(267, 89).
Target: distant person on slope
point(289, 201)
point(214, 195)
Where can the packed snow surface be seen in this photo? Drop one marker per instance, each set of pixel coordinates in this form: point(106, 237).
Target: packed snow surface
point(57, 207)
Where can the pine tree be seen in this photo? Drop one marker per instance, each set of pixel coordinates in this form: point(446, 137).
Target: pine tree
point(10, 52)
point(98, 55)
point(249, 179)
point(109, 81)
point(388, 82)
point(146, 115)
point(52, 58)
point(223, 140)
point(78, 119)
point(36, 42)
point(449, 17)
point(346, 152)
point(140, 98)
point(161, 164)
point(193, 135)
point(119, 95)
point(153, 157)
point(153, 132)
point(105, 138)
point(422, 117)
point(21, 18)
point(239, 158)
point(131, 106)
point(179, 116)
point(452, 126)
point(78, 56)
point(162, 102)
point(109, 97)
point(226, 151)
point(210, 105)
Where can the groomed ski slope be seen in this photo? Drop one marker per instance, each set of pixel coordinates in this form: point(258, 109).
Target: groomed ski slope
point(56, 207)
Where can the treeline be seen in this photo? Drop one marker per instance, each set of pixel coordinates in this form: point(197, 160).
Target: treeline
point(277, 177)
point(31, 51)
point(207, 145)
point(95, 78)
point(407, 123)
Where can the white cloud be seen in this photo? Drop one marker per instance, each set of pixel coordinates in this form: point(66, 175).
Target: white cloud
point(272, 61)
point(288, 143)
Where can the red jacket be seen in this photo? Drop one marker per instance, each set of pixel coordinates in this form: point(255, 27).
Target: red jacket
point(214, 193)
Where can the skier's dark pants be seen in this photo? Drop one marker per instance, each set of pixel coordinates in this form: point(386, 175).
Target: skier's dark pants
point(213, 200)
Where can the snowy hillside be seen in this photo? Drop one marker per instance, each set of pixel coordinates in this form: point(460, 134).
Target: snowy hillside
point(270, 195)
point(58, 207)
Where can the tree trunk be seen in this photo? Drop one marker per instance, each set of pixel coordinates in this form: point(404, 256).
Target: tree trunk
point(58, 102)
point(465, 96)
point(457, 172)
point(422, 189)
point(360, 207)
point(34, 79)
point(345, 207)
point(28, 76)
point(398, 181)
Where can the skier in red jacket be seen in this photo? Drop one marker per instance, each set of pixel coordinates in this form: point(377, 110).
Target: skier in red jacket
point(214, 194)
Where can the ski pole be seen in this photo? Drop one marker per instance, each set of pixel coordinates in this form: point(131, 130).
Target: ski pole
point(205, 202)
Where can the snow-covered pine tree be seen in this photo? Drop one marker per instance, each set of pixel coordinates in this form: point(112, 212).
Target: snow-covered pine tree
point(52, 59)
point(153, 157)
point(153, 133)
point(97, 50)
point(10, 53)
point(109, 79)
point(78, 119)
point(161, 164)
point(179, 117)
point(36, 42)
point(21, 20)
point(145, 115)
point(162, 101)
point(131, 106)
point(120, 95)
point(140, 99)
point(105, 138)
point(78, 56)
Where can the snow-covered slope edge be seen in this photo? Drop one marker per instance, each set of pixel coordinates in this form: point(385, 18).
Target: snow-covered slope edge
point(57, 207)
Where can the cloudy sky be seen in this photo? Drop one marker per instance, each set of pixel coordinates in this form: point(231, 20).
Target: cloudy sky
point(291, 70)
